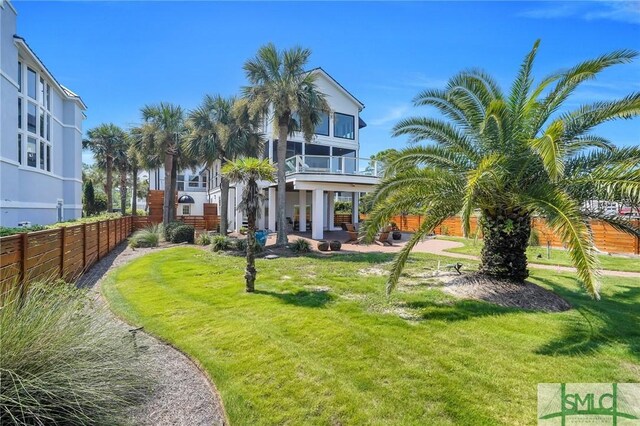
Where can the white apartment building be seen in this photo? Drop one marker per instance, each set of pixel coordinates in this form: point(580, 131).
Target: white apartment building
point(40, 135)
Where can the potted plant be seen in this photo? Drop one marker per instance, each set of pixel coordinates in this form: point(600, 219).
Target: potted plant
point(396, 234)
point(335, 245)
point(323, 245)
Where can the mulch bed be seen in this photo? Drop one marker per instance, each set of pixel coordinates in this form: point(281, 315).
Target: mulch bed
point(524, 295)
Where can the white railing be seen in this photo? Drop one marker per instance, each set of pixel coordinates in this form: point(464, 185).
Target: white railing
point(334, 165)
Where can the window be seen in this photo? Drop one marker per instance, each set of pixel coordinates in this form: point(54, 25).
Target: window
point(42, 155)
point(186, 209)
point(323, 127)
point(317, 157)
point(344, 126)
point(31, 117)
point(180, 181)
point(19, 113)
point(31, 83)
point(19, 76)
point(41, 123)
point(42, 95)
point(48, 104)
point(48, 127)
point(194, 181)
point(31, 152)
point(293, 149)
point(48, 158)
point(19, 148)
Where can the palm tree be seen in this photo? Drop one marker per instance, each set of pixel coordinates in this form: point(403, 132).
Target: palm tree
point(134, 166)
point(249, 171)
point(106, 141)
point(163, 131)
point(512, 157)
point(220, 130)
point(122, 164)
point(280, 89)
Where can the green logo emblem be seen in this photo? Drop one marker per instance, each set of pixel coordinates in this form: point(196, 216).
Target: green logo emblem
point(588, 403)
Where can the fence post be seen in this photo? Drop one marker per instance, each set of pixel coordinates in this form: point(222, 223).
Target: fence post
point(98, 223)
point(108, 237)
point(62, 240)
point(84, 245)
point(23, 262)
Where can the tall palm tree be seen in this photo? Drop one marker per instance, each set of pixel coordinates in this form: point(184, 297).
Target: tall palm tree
point(250, 171)
point(511, 157)
point(281, 90)
point(163, 131)
point(221, 130)
point(134, 165)
point(106, 141)
point(123, 165)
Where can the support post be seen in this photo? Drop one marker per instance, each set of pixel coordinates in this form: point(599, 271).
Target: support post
point(23, 261)
point(355, 207)
point(272, 209)
point(318, 214)
point(302, 219)
point(331, 197)
point(63, 236)
point(84, 246)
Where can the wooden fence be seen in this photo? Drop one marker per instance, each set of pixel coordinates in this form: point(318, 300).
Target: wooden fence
point(200, 223)
point(605, 237)
point(63, 252)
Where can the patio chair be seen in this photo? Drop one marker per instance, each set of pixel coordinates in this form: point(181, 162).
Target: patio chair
point(352, 233)
point(383, 237)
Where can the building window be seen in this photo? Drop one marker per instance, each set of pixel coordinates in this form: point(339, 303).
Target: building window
point(194, 181)
point(180, 181)
point(41, 123)
point(31, 83)
point(48, 127)
point(48, 104)
point(323, 127)
point(42, 154)
point(186, 209)
point(31, 152)
point(42, 95)
point(48, 158)
point(19, 113)
point(31, 117)
point(344, 126)
point(20, 148)
point(19, 76)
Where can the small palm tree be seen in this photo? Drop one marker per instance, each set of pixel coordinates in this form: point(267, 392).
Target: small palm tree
point(162, 133)
point(107, 142)
point(249, 171)
point(281, 89)
point(220, 130)
point(511, 157)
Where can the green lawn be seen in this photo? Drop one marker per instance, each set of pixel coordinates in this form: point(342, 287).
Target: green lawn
point(558, 256)
point(320, 344)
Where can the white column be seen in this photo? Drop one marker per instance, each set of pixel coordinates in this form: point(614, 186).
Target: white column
point(272, 208)
point(318, 213)
point(331, 211)
point(302, 220)
point(355, 204)
point(238, 211)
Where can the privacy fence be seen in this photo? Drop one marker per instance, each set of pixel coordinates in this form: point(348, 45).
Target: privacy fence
point(605, 237)
point(63, 252)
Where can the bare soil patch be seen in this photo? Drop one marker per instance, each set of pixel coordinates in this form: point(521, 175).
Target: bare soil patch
point(524, 295)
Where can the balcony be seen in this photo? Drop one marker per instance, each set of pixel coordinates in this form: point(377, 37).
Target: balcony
point(334, 165)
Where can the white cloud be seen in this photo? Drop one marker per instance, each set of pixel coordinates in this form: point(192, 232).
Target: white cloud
point(393, 114)
point(621, 11)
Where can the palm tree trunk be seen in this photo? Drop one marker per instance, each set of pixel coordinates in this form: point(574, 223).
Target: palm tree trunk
point(123, 192)
point(506, 237)
point(134, 191)
point(283, 131)
point(224, 205)
point(167, 203)
point(174, 188)
point(252, 209)
point(109, 185)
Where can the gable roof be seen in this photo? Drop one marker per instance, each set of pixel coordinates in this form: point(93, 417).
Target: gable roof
point(340, 86)
point(66, 92)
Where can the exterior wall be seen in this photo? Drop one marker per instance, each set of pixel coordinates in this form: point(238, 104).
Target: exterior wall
point(29, 193)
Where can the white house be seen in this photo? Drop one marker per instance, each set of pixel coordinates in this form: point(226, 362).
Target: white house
point(193, 183)
point(315, 171)
point(40, 135)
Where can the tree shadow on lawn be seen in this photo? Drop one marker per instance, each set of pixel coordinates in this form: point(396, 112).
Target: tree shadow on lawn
point(460, 310)
point(304, 298)
point(352, 257)
point(613, 319)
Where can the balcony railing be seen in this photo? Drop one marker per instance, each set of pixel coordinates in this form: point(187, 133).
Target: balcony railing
point(334, 165)
point(186, 186)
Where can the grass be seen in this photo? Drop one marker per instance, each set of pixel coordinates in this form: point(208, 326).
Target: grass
point(558, 256)
point(319, 343)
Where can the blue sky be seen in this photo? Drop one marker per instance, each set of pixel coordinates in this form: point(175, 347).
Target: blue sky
point(121, 55)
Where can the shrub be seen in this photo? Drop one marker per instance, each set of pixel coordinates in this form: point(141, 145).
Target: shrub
point(241, 245)
point(168, 230)
point(204, 239)
point(244, 230)
point(220, 242)
point(183, 234)
point(148, 237)
point(63, 361)
point(300, 246)
point(6, 231)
